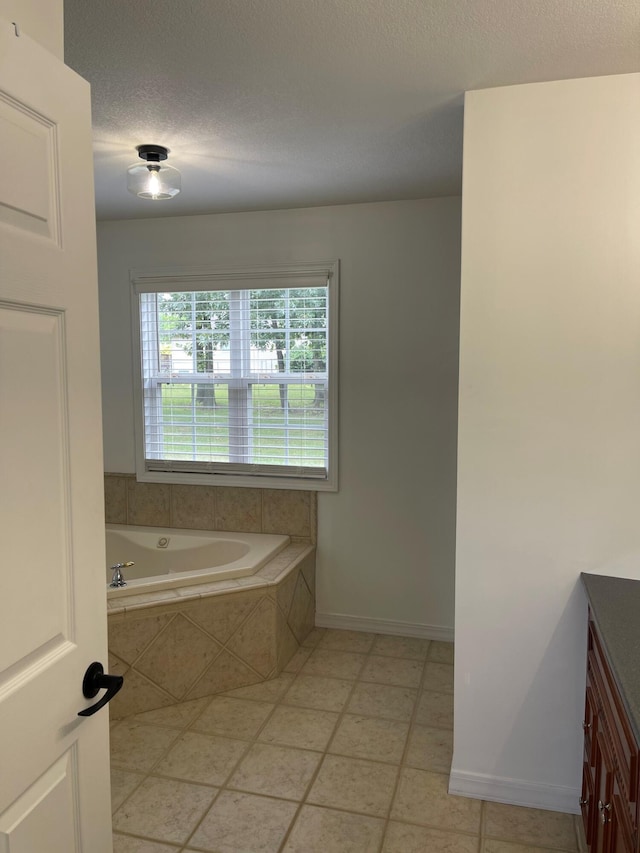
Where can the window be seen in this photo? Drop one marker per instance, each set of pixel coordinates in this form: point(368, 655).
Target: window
point(237, 376)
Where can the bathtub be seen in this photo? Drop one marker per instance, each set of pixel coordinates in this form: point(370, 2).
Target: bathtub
point(166, 558)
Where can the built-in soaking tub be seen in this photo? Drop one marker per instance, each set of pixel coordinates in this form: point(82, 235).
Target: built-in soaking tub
point(167, 558)
point(200, 628)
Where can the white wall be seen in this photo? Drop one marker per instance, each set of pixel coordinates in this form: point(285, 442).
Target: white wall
point(386, 539)
point(549, 419)
point(41, 20)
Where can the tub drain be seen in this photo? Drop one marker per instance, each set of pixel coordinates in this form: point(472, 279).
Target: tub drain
point(163, 542)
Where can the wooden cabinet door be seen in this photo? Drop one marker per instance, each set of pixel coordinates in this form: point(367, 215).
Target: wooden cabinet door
point(601, 842)
point(590, 723)
point(610, 772)
point(611, 831)
point(588, 801)
point(621, 836)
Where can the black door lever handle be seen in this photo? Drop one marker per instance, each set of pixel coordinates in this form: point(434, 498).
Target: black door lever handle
point(95, 680)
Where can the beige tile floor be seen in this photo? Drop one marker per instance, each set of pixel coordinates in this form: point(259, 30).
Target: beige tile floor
point(348, 751)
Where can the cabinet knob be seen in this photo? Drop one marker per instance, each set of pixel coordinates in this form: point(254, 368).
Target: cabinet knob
point(604, 809)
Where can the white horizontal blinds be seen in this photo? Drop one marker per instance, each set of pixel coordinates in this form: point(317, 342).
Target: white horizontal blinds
point(153, 363)
point(290, 324)
point(181, 336)
point(236, 381)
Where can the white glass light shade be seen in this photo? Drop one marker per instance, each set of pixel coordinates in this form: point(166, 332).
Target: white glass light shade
point(153, 180)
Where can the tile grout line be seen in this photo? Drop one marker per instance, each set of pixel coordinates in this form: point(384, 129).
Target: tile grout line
point(224, 786)
point(183, 730)
point(371, 652)
point(250, 744)
point(401, 763)
point(146, 774)
point(360, 680)
point(177, 847)
point(341, 715)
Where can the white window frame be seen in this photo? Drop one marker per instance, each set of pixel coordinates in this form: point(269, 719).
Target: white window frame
point(167, 280)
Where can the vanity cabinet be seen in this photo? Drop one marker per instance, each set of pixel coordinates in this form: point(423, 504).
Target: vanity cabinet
point(609, 799)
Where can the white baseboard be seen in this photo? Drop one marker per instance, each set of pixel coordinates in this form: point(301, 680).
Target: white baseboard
point(515, 792)
point(384, 626)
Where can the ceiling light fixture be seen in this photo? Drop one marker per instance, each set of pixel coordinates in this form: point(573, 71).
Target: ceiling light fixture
point(153, 179)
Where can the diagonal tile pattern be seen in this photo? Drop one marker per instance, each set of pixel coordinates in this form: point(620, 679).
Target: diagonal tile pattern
point(347, 751)
point(165, 662)
point(216, 639)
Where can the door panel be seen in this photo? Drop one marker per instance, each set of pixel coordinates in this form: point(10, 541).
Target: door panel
point(54, 779)
point(50, 801)
point(29, 191)
point(39, 567)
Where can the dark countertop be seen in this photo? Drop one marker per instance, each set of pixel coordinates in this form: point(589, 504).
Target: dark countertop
point(615, 606)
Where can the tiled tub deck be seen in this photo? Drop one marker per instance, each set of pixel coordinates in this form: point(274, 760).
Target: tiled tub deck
point(177, 645)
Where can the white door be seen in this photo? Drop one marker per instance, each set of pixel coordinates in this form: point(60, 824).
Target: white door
point(54, 779)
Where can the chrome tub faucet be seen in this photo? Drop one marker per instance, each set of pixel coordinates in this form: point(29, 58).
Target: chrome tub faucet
point(118, 578)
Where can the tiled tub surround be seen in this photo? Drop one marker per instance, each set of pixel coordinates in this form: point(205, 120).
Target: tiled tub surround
point(347, 751)
point(201, 640)
point(210, 507)
point(184, 643)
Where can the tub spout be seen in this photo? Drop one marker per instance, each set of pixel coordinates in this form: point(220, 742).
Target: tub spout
point(118, 578)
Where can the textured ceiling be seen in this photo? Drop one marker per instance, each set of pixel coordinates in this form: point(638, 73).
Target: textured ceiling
point(287, 103)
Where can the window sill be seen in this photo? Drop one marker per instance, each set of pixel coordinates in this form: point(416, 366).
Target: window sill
point(242, 481)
